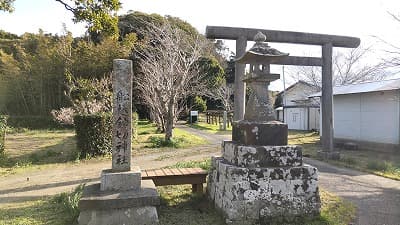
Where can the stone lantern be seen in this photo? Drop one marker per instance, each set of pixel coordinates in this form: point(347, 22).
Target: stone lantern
point(260, 179)
point(259, 118)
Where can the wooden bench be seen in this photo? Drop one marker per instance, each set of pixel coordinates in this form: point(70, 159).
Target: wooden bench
point(194, 176)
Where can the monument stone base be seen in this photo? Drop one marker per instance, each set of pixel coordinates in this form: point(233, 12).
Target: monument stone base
point(120, 181)
point(120, 198)
point(263, 184)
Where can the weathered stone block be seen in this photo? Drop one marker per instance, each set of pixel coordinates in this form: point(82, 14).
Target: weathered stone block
point(235, 209)
point(94, 198)
point(260, 133)
point(259, 194)
point(146, 215)
point(132, 207)
point(121, 181)
point(261, 156)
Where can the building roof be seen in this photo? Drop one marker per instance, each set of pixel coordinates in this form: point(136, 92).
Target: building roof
point(297, 83)
point(383, 85)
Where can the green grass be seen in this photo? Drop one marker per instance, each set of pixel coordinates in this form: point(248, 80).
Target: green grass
point(335, 210)
point(386, 164)
point(211, 128)
point(204, 164)
point(149, 137)
point(180, 206)
point(28, 149)
point(61, 209)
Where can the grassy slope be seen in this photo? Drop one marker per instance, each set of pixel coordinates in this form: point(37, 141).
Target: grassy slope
point(380, 163)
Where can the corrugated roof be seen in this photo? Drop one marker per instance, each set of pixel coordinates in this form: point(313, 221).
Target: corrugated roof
point(383, 85)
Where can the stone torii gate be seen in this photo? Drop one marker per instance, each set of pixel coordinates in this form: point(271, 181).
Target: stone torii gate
point(327, 42)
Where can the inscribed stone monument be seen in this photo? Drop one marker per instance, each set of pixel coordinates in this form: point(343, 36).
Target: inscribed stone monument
point(121, 197)
point(122, 117)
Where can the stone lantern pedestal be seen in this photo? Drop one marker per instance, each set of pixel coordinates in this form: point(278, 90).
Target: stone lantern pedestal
point(262, 184)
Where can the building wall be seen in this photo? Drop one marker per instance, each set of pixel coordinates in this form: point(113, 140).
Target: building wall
point(314, 118)
point(297, 92)
point(372, 117)
point(296, 118)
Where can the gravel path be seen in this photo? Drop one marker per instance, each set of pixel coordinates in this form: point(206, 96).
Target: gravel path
point(377, 198)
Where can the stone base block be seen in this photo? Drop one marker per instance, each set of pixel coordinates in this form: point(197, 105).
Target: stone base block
point(263, 194)
point(334, 155)
point(260, 133)
point(146, 215)
point(261, 156)
point(121, 181)
point(133, 207)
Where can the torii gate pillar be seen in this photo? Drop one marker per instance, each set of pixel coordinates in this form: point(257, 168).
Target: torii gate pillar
point(240, 86)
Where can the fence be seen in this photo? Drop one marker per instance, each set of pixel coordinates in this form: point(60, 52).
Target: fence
point(217, 117)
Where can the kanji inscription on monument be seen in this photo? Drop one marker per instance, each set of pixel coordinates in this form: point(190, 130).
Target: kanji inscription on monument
point(122, 115)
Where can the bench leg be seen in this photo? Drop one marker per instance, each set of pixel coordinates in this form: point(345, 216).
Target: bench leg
point(197, 188)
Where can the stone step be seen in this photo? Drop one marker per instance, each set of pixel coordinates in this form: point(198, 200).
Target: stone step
point(261, 156)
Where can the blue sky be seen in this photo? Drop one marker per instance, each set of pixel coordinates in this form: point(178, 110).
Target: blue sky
point(357, 18)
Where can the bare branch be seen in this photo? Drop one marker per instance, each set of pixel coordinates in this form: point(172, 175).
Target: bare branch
point(169, 72)
point(348, 68)
point(67, 7)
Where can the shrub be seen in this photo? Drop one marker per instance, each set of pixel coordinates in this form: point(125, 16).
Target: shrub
point(380, 166)
point(93, 134)
point(3, 127)
point(70, 202)
point(158, 142)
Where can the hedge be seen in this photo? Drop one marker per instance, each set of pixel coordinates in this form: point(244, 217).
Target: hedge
point(3, 127)
point(93, 134)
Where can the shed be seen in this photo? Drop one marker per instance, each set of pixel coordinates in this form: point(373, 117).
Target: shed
point(297, 110)
point(367, 113)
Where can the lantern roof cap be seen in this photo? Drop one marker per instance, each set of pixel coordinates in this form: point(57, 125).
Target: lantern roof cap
point(261, 51)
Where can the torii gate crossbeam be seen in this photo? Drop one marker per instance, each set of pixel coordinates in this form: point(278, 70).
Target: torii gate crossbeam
point(327, 42)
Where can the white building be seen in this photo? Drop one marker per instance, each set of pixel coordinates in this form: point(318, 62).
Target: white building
point(367, 113)
point(298, 111)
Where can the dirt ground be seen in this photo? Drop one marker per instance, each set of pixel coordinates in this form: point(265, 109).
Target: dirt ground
point(377, 198)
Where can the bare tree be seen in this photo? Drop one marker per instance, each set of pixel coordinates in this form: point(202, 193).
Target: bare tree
point(222, 93)
point(348, 67)
point(169, 72)
point(392, 51)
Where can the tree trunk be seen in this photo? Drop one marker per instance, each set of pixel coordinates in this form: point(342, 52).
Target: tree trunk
point(169, 123)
